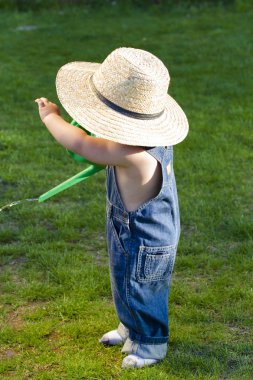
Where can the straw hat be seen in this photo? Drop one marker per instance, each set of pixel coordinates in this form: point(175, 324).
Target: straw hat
point(124, 99)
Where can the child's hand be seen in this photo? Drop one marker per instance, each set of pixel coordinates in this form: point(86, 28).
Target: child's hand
point(46, 108)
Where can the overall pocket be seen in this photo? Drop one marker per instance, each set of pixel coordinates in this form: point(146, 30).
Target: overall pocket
point(155, 263)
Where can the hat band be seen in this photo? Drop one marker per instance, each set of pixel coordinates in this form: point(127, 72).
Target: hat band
point(123, 111)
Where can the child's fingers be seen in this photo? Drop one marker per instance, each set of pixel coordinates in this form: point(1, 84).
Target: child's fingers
point(41, 102)
point(45, 100)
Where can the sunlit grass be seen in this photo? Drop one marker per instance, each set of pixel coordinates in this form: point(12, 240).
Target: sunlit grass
point(55, 290)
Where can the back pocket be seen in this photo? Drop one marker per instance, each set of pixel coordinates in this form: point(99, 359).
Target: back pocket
point(155, 263)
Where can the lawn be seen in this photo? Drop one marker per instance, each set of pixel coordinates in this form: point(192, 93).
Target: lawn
point(55, 294)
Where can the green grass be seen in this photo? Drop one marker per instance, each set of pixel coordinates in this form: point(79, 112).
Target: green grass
point(55, 291)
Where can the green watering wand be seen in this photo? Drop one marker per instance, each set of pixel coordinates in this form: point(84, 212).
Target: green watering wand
point(92, 169)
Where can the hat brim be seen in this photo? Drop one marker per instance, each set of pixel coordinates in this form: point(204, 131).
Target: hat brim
point(82, 104)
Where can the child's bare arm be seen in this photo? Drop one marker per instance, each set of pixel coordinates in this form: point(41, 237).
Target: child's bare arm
point(98, 150)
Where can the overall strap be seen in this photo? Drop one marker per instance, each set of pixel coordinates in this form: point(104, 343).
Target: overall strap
point(164, 155)
point(161, 153)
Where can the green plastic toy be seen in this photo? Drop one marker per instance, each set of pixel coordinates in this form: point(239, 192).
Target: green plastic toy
point(91, 170)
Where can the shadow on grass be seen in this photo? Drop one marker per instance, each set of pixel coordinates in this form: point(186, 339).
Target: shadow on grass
point(213, 359)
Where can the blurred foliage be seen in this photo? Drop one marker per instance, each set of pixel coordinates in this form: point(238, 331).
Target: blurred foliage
point(35, 5)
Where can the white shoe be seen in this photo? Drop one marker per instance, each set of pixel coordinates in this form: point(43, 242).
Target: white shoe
point(134, 361)
point(112, 338)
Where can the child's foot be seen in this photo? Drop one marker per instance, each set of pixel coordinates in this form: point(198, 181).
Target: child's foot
point(112, 338)
point(134, 361)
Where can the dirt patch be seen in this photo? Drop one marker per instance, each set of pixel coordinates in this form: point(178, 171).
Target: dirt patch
point(15, 263)
point(15, 318)
point(6, 185)
point(238, 332)
point(7, 354)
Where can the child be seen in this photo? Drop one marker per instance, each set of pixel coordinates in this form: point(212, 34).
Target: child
point(124, 102)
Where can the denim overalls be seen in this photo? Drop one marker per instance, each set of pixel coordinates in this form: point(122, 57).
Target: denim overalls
point(142, 247)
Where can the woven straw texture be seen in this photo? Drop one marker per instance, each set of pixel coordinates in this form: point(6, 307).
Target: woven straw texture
point(132, 79)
